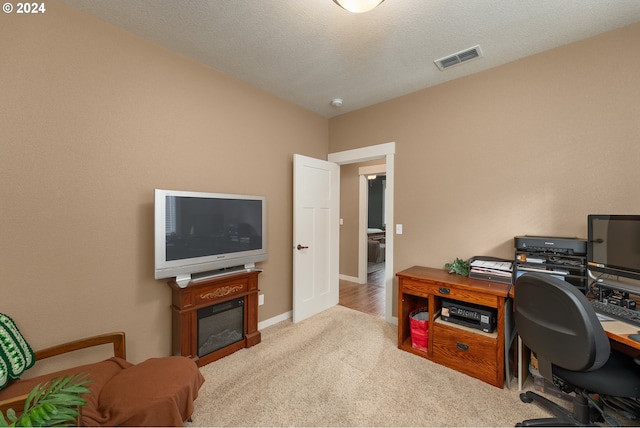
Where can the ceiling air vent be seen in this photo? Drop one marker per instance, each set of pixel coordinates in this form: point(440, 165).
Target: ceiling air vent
point(459, 58)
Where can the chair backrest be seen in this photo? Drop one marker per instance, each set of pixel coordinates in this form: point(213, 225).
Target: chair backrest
point(556, 321)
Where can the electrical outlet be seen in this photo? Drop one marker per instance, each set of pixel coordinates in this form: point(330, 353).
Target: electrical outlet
point(260, 299)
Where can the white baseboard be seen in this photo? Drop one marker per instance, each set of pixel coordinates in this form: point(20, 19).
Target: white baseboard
point(275, 320)
point(287, 315)
point(349, 278)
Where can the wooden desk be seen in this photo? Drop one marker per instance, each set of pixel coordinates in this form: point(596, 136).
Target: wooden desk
point(467, 350)
point(618, 333)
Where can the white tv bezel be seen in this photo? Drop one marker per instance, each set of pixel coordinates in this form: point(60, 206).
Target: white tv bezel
point(184, 269)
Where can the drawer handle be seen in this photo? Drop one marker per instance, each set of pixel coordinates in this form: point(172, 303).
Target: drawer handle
point(444, 290)
point(462, 346)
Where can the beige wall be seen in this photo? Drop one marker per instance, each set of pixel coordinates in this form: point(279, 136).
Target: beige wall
point(92, 119)
point(530, 147)
point(349, 213)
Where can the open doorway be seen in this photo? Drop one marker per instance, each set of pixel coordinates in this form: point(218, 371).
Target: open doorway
point(385, 154)
point(363, 208)
point(376, 227)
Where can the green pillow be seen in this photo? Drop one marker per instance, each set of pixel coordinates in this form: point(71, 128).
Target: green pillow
point(16, 355)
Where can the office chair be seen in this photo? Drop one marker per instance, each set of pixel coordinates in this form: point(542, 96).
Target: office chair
point(556, 321)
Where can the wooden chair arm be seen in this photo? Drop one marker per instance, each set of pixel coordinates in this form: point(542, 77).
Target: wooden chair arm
point(15, 403)
point(116, 338)
point(119, 350)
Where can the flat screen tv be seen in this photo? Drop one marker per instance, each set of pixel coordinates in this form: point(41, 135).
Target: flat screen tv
point(613, 245)
point(198, 233)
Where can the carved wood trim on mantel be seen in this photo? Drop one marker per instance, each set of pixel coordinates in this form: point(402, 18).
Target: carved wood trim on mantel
point(221, 292)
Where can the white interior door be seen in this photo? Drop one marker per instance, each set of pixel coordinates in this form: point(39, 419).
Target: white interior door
point(316, 201)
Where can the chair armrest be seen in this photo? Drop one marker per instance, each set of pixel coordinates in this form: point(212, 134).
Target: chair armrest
point(119, 350)
point(15, 403)
point(116, 338)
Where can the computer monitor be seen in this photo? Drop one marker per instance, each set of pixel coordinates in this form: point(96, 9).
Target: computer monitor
point(613, 245)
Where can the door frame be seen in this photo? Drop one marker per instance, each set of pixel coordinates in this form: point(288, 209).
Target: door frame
point(386, 151)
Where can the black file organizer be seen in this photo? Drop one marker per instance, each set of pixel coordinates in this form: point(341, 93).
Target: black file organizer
point(569, 267)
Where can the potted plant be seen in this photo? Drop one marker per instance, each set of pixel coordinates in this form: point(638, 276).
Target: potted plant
point(56, 402)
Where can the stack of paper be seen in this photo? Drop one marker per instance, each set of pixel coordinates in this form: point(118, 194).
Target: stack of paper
point(491, 270)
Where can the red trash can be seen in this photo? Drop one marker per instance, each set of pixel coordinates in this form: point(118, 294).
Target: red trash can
point(419, 325)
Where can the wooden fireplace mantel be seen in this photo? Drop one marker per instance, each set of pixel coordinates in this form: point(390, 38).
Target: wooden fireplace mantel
point(208, 292)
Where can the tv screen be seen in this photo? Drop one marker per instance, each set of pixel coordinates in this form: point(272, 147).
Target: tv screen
point(613, 244)
point(197, 232)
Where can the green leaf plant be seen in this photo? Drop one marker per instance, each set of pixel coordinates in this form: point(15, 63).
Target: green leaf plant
point(56, 402)
point(459, 266)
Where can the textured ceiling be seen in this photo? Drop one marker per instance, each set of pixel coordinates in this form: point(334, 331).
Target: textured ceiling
point(311, 51)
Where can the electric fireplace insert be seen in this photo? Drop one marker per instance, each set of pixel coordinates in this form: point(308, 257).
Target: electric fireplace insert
point(220, 325)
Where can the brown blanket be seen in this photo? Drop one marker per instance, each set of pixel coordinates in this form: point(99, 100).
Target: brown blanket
point(156, 392)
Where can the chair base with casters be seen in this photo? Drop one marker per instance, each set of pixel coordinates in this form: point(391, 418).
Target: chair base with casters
point(582, 414)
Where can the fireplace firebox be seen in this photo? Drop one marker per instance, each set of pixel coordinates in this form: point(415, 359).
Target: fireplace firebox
point(215, 317)
point(220, 325)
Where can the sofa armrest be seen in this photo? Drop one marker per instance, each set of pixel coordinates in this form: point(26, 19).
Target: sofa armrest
point(116, 338)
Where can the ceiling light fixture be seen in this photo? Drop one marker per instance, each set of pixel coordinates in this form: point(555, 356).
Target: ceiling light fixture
point(358, 6)
point(336, 102)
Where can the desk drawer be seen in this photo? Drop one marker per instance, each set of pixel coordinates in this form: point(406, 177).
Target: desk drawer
point(415, 288)
point(464, 295)
point(469, 353)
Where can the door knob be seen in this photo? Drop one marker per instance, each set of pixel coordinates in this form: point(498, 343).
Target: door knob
point(301, 247)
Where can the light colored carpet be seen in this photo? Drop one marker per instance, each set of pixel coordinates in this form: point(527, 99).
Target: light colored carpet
point(343, 368)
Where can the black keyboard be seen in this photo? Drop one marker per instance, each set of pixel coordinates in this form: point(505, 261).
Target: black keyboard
point(630, 316)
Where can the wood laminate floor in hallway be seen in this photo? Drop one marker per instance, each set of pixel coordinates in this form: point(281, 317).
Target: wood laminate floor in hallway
point(367, 298)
